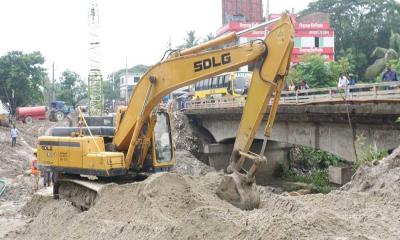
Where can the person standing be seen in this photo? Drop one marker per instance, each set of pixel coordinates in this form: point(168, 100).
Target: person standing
point(47, 178)
point(389, 75)
point(343, 81)
point(14, 135)
point(352, 82)
point(35, 172)
point(303, 85)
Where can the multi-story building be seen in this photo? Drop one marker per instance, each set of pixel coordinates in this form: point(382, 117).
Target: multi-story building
point(313, 33)
point(241, 11)
point(126, 85)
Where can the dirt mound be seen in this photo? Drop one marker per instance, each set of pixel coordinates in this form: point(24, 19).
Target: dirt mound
point(177, 206)
point(383, 176)
point(39, 200)
point(186, 163)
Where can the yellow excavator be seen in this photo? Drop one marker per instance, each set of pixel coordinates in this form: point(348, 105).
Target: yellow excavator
point(85, 158)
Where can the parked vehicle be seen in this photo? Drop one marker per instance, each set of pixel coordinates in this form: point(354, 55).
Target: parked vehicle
point(28, 114)
point(59, 110)
point(4, 115)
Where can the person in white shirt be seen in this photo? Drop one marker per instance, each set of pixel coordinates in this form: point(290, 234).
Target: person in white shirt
point(14, 135)
point(343, 81)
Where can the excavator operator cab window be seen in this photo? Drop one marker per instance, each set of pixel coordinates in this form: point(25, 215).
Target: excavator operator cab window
point(162, 136)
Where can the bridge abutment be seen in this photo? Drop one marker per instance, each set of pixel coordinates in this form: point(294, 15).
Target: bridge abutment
point(277, 154)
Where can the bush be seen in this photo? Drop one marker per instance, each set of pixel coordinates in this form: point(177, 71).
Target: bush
point(308, 158)
point(317, 178)
point(369, 155)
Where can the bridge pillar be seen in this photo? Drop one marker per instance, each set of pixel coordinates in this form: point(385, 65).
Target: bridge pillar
point(217, 155)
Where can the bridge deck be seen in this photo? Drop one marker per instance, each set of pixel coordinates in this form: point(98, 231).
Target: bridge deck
point(362, 93)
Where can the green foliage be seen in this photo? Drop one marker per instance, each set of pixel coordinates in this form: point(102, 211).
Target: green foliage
point(190, 40)
point(209, 37)
point(70, 88)
point(369, 155)
point(138, 69)
point(383, 56)
point(360, 24)
point(317, 178)
point(112, 85)
point(310, 158)
point(23, 74)
point(110, 91)
point(366, 152)
point(315, 71)
point(357, 61)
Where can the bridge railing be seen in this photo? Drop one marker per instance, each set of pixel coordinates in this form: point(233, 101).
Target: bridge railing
point(359, 92)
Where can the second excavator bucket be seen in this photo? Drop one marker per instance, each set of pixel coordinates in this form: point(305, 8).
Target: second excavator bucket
point(241, 193)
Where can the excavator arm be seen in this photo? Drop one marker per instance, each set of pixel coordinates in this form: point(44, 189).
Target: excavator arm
point(271, 57)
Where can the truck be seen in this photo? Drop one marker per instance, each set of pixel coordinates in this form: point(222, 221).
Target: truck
point(28, 114)
point(142, 143)
point(4, 115)
point(59, 110)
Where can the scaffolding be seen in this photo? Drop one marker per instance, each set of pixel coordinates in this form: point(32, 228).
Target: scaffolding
point(95, 79)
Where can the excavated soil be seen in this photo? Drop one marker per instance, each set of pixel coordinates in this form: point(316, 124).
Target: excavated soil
point(176, 206)
point(183, 205)
point(14, 170)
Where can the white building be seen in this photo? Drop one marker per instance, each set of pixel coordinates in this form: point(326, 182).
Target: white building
point(126, 84)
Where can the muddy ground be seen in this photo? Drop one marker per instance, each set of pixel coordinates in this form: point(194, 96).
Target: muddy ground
point(183, 205)
point(14, 164)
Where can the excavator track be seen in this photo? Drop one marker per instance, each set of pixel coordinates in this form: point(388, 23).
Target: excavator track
point(81, 193)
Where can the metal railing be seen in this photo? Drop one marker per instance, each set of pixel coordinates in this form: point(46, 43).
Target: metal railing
point(359, 92)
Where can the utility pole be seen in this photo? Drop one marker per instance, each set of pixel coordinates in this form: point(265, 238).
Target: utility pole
point(95, 79)
point(126, 81)
point(52, 84)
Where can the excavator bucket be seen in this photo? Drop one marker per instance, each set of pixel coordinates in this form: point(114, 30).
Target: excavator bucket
point(238, 188)
point(235, 189)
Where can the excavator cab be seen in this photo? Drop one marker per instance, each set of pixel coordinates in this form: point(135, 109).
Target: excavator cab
point(160, 153)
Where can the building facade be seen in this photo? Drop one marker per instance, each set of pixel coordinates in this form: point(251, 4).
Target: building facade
point(241, 11)
point(126, 85)
point(313, 33)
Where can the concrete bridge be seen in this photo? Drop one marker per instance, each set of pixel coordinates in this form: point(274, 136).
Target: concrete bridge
point(327, 119)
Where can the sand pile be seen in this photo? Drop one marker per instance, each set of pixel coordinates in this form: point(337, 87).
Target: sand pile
point(183, 205)
point(177, 206)
point(186, 163)
point(383, 176)
point(14, 164)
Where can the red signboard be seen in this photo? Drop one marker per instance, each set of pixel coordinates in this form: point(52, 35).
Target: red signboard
point(325, 50)
point(312, 25)
point(314, 33)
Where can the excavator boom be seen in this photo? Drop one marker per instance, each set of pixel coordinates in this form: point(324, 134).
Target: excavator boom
point(140, 129)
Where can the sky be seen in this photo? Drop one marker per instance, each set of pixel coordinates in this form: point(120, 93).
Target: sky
point(131, 31)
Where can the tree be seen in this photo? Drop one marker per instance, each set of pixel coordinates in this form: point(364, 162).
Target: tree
point(209, 37)
point(360, 24)
point(23, 74)
point(112, 85)
point(314, 69)
point(71, 89)
point(357, 60)
point(190, 40)
point(383, 56)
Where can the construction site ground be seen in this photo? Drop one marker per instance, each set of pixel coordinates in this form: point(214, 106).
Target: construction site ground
point(183, 205)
